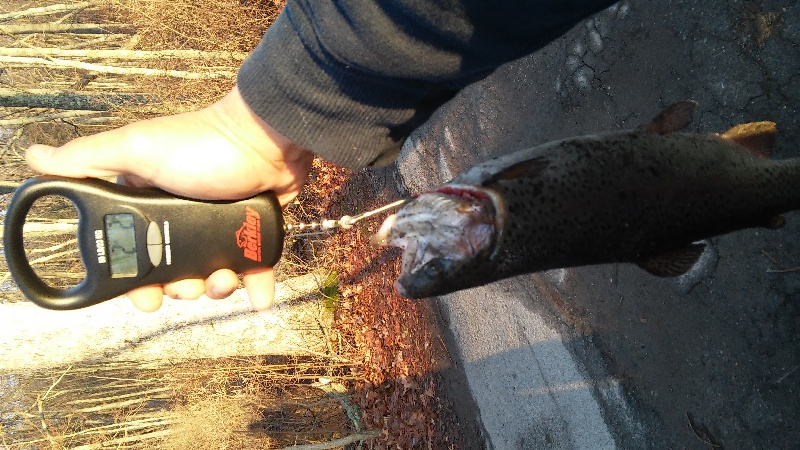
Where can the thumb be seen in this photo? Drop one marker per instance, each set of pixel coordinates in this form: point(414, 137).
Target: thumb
point(86, 156)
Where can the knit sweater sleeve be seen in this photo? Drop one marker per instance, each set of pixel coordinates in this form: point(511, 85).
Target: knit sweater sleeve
point(350, 79)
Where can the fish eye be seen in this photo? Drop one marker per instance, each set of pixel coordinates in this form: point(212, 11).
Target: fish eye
point(434, 269)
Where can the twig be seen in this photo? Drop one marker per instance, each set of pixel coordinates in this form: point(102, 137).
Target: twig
point(71, 115)
point(87, 28)
point(66, 16)
point(45, 429)
point(31, 229)
point(7, 187)
point(138, 437)
point(53, 256)
point(120, 404)
point(69, 100)
point(121, 54)
point(3, 436)
point(321, 355)
point(96, 42)
point(97, 85)
point(53, 248)
point(56, 383)
point(90, 76)
point(21, 61)
point(97, 120)
point(128, 426)
point(45, 10)
point(341, 442)
point(339, 392)
point(106, 400)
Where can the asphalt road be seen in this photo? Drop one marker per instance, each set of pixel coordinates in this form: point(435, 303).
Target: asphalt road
point(609, 356)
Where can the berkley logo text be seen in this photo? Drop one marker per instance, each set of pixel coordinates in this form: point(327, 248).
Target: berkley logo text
point(248, 238)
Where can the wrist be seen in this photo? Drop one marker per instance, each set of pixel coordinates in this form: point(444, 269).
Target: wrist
point(275, 162)
point(257, 134)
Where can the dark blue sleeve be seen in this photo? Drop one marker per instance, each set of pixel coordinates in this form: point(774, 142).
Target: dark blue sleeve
point(350, 79)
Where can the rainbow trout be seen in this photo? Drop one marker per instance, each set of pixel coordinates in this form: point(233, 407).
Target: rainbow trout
point(644, 196)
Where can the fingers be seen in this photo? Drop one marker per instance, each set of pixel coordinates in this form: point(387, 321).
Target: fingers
point(150, 298)
point(221, 284)
point(260, 286)
point(189, 289)
point(147, 298)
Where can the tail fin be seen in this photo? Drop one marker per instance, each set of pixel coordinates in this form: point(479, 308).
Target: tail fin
point(758, 137)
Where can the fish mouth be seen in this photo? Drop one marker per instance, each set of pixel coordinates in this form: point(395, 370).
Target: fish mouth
point(441, 232)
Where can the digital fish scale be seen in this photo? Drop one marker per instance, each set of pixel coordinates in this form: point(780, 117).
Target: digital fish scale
point(132, 237)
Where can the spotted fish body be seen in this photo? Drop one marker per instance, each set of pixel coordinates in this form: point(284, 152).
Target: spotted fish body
point(641, 196)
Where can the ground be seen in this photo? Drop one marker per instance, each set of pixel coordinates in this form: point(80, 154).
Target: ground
point(412, 388)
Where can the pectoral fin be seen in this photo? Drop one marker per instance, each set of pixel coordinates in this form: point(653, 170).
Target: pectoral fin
point(758, 137)
point(676, 117)
point(673, 263)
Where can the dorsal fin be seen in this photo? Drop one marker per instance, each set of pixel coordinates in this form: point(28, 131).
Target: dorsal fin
point(674, 118)
point(528, 168)
point(758, 137)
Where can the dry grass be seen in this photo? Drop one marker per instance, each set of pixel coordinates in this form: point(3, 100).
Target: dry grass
point(236, 403)
point(220, 25)
point(209, 25)
point(212, 423)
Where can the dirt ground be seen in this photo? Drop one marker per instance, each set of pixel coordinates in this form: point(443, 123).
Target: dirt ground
point(414, 390)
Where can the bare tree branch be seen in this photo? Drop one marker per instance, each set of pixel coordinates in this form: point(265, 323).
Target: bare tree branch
point(45, 10)
point(7, 187)
point(84, 28)
point(98, 41)
point(43, 229)
point(336, 443)
point(121, 54)
point(19, 61)
point(65, 115)
point(44, 98)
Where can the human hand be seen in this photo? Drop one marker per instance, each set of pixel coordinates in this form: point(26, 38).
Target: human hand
point(224, 152)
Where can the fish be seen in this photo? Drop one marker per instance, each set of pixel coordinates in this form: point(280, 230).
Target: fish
point(647, 196)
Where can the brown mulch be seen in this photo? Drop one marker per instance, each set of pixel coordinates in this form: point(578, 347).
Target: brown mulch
point(393, 337)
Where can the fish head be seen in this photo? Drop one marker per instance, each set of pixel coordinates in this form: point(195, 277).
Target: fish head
point(448, 239)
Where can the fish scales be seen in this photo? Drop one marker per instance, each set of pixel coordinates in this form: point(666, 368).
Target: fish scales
point(620, 197)
point(641, 196)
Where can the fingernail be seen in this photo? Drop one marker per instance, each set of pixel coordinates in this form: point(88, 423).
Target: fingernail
point(39, 153)
point(42, 151)
point(219, 292)
point(261, 304)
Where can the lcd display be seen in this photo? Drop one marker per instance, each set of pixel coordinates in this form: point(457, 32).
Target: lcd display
point(121, 241)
